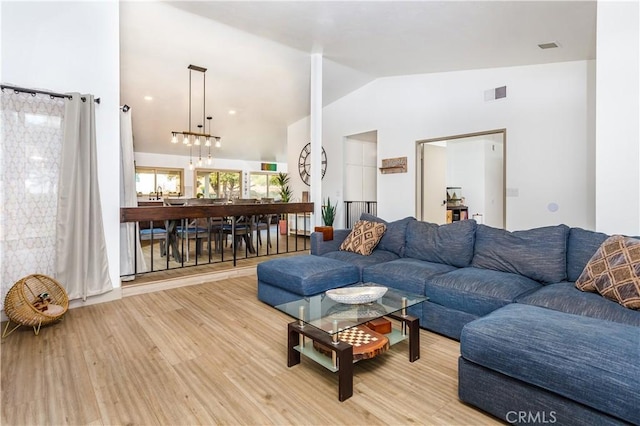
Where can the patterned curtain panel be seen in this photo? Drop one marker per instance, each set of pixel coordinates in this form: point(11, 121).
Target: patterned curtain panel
point(30, 158)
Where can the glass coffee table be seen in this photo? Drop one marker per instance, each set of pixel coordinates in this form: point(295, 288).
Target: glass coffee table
point(322, 320)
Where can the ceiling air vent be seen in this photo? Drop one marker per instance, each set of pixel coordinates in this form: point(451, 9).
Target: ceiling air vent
point(550, 45)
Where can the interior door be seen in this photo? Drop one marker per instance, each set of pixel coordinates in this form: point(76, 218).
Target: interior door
point(434, 184)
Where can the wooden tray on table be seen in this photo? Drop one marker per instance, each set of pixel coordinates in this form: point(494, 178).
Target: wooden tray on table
point(366, 342)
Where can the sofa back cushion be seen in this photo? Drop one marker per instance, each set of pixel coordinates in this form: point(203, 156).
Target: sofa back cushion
point(451, 244)
point(581, 246)
point(538, 253)
point(393, 239)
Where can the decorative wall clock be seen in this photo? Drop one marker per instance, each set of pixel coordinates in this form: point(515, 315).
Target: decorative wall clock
point(304, 163)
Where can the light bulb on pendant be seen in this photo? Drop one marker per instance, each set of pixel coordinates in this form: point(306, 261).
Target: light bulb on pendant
point(186, 140)
point(174, 138)
point(197, 139)
point(207, 142)
point(190, 165)
point(209, 160)
point(200, 162)
point(218, 144)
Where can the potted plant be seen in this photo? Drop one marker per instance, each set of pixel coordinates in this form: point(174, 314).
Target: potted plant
point(328, 216)
point(282, 180)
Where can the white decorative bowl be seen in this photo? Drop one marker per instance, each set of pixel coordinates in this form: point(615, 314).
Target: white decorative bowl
point(343, 311)
point(356, 295)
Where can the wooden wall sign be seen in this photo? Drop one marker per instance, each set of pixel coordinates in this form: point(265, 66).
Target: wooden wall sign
point(394, 165)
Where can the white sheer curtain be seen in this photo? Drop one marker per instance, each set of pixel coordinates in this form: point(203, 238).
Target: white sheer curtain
point(31, 128)
point(81, 251)
point(128, 198)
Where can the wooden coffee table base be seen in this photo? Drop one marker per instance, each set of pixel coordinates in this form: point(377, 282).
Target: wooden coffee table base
point(344, 351)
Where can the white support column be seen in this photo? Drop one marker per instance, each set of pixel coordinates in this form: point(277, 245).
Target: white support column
point(316, 136)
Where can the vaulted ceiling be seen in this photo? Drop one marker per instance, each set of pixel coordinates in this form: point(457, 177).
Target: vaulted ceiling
point(257, 56)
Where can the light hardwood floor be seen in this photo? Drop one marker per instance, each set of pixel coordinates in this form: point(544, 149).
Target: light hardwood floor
point(211, 354)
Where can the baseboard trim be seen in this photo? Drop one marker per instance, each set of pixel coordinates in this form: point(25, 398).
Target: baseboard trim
point(150, 287)
point(133, 289)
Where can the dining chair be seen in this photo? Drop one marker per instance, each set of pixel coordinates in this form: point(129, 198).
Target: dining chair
point(242, 229)
point(263, 222)
point(195, 229)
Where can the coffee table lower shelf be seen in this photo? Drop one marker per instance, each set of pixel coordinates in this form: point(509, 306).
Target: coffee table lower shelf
point(344, 351)
point(310, 352)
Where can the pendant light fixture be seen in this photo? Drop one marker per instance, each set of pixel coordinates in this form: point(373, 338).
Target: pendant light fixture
point(207, 142)
point(189, 137)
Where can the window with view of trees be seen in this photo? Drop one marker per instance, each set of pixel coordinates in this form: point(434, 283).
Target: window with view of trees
point(153, 180)
point(219, 184)
point(263, 185)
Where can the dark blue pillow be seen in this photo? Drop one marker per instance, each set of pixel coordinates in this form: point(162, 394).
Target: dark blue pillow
point(538, 253)
point(451, 244)
point(393, 239)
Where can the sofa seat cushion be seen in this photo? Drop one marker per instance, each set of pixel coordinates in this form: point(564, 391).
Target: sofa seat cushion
point(443, 320)
point(451, 244)
point(588, 360)
point(307, 275)
point(565, 297)
point(538, 253)
point(404, 274)
point(478, 291)
point(377, 256)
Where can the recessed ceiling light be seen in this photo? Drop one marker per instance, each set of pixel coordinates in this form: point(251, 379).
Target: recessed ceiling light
point(232, 112)
point(148, 98)
point(550, 45)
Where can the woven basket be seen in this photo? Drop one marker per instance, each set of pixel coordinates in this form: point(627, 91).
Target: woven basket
point(24, 305)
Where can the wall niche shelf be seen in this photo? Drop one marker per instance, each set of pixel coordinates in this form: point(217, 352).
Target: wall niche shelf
point(394, 165)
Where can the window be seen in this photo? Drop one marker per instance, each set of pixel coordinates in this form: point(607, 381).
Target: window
point(263, 185)
point(219, 184)
point(152, 180)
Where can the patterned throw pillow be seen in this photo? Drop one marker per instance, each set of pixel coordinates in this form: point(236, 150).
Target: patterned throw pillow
point(614, 271)
point(364, 237)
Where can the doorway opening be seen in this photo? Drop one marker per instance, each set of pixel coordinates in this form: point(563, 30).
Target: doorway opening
point(360, 176)
point(462, 177)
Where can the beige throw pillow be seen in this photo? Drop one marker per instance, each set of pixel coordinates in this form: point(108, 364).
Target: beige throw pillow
point(364, 237)
point(614, 271)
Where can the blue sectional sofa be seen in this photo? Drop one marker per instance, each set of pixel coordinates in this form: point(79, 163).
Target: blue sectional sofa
point(533, 347)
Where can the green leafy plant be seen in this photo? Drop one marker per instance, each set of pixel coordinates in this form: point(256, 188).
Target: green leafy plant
point(328, 213)
point(282, 180)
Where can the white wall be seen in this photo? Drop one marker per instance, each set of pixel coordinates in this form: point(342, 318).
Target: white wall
point(618, 118)
point(493, 183)
point(73, 47)
point(145, 159)
point(465, 168)
point(297, 138)
point(546, 114)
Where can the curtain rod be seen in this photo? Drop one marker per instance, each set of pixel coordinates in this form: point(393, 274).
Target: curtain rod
point(33, 92)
